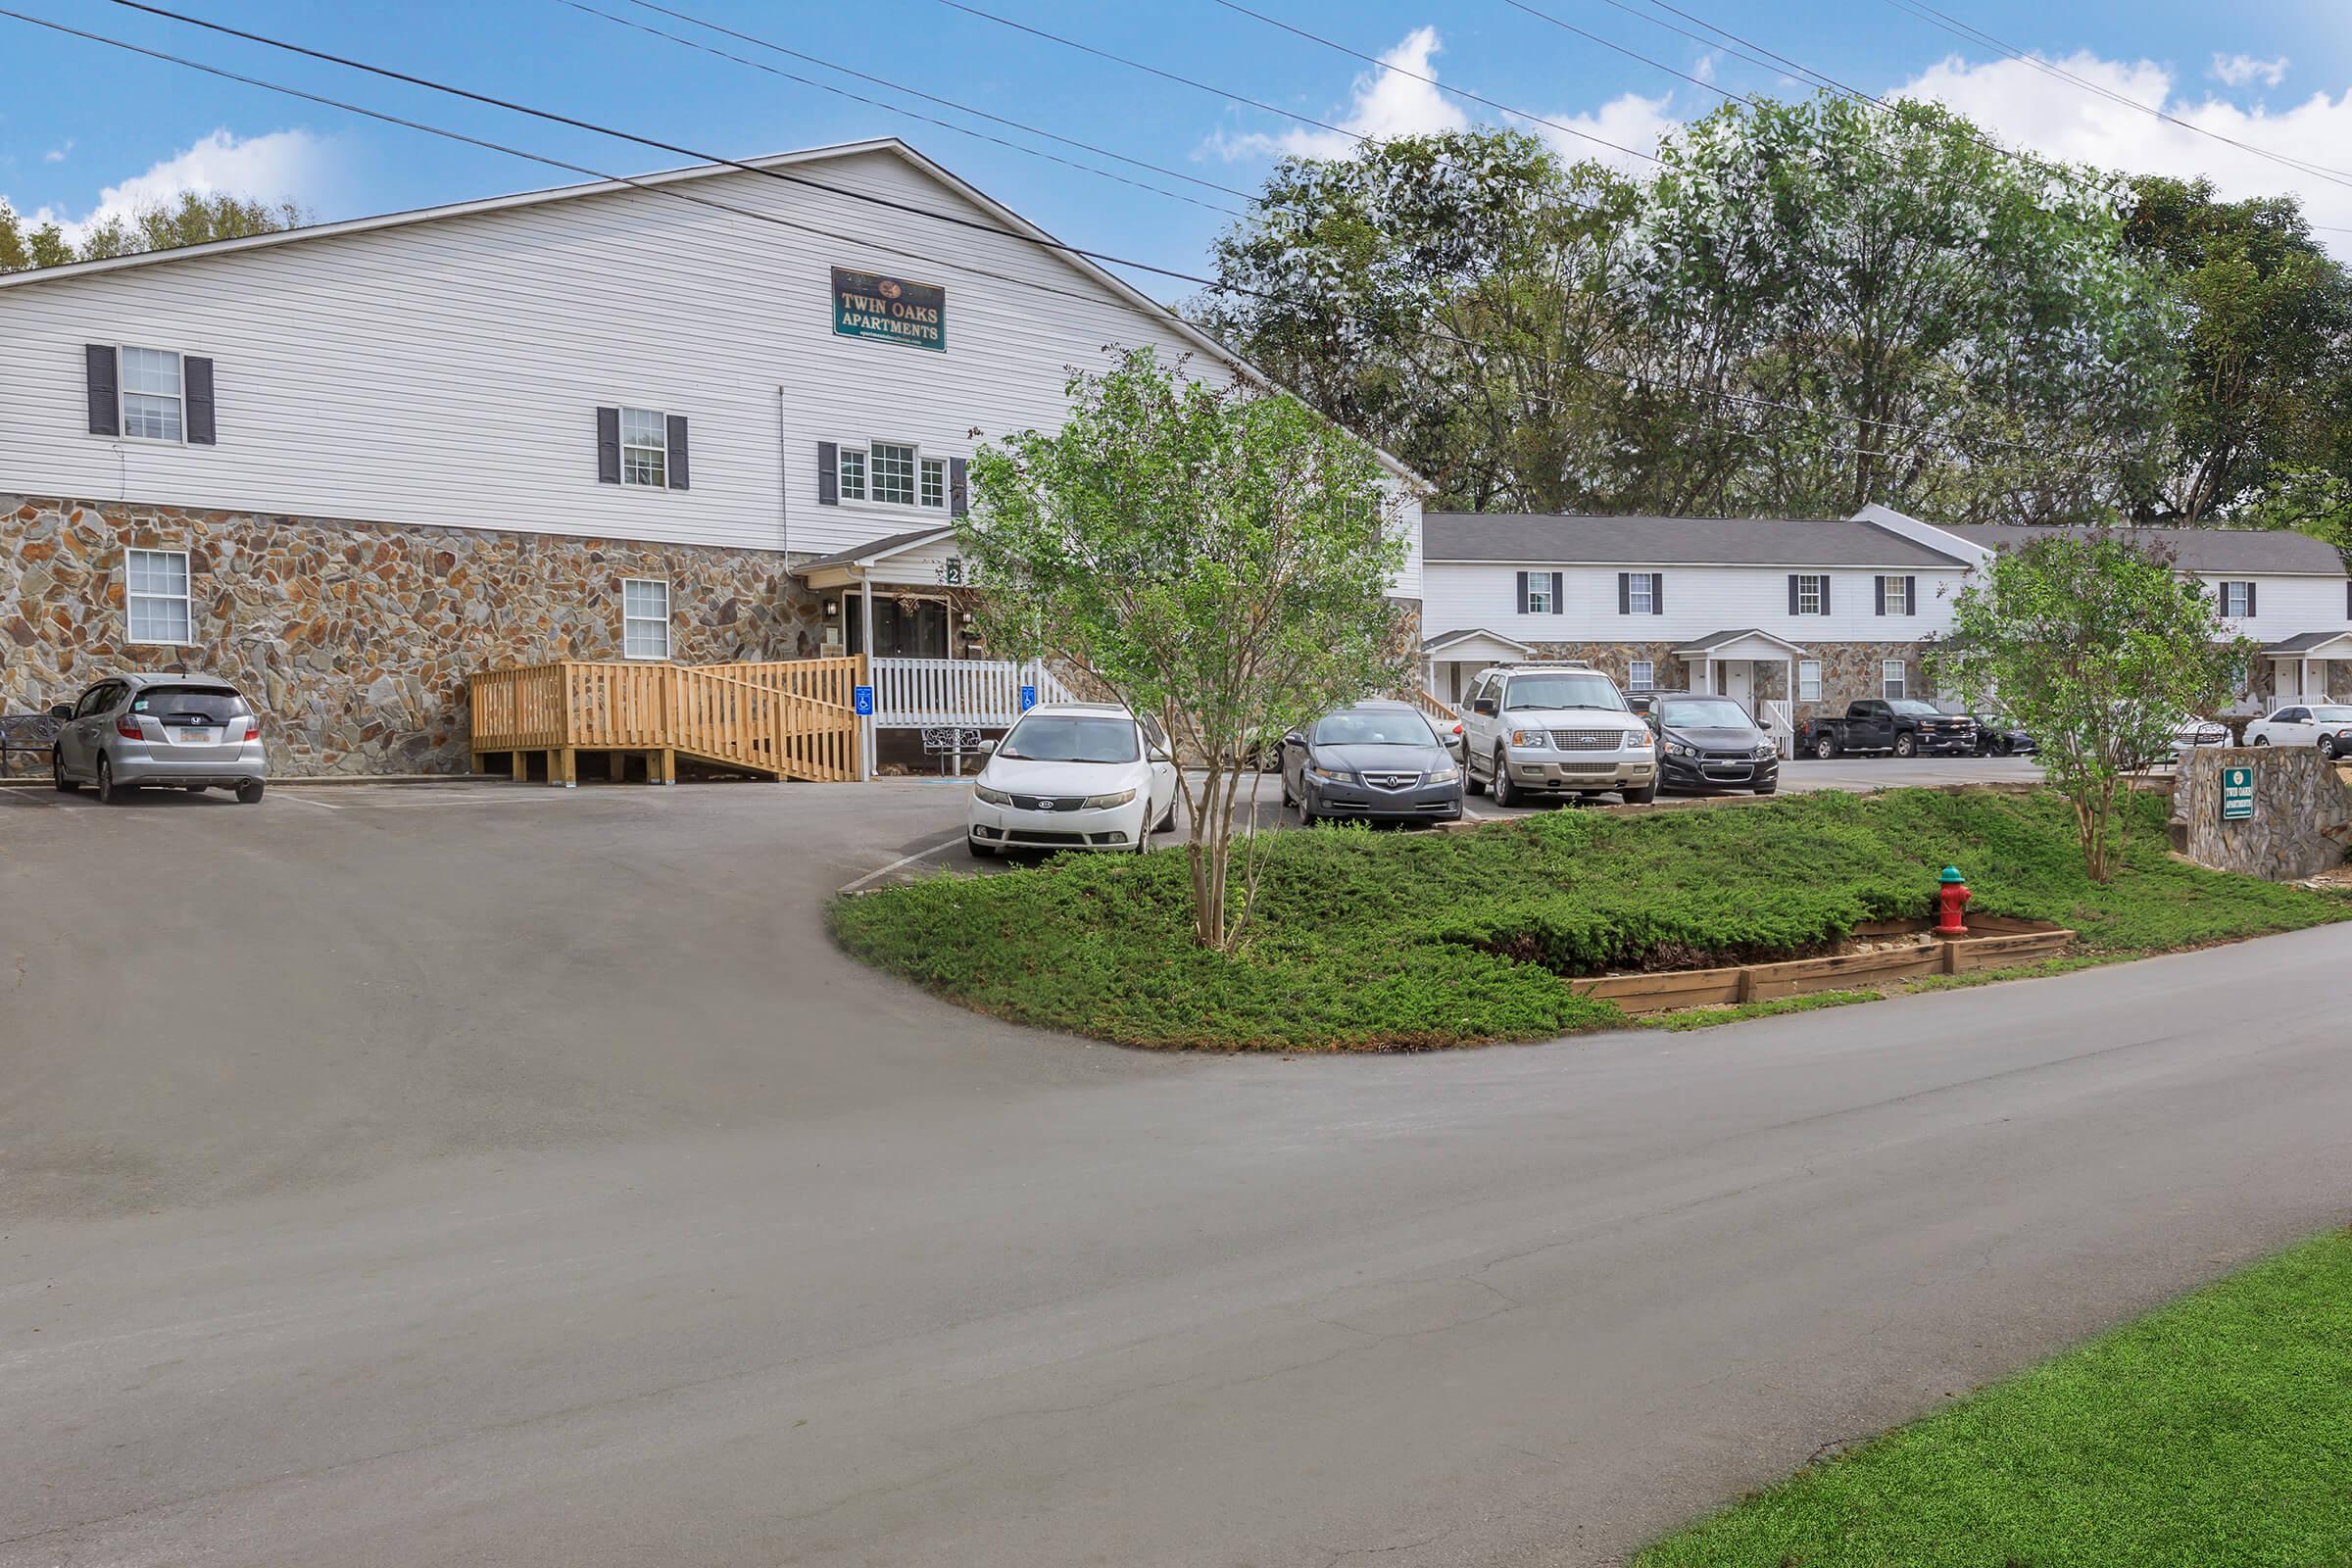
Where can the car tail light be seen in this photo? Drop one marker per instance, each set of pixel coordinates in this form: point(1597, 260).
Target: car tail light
point(253, 730)
point(128, 728)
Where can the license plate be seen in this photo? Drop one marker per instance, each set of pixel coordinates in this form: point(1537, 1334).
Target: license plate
point(196, 737)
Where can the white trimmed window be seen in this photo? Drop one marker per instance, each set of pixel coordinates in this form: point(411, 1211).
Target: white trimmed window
point(153, 397)
point(645, 448)
point(2237, 598)
point(1895, 679)
point(1538, 592)
point(935, 483)
point(893, 475)
point(1640, 674)
point(155, 596)
point(1808, 680)
point(1640, 588)
point(1899, 594)
point(644, 618)
point(1812, 594)
point(853, 474)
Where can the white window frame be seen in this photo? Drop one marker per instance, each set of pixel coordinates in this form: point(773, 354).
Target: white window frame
point(1816, 584)
point(132, 598)
point(1640, 674)
point(2240, 590)
point(660, 447)
point(1640, 593)
point(854, 468)
point(123, 394)
point(629, 621)
point(1897, 590)
point(1538, 592)
point(1895, 679)
point(1808, 680)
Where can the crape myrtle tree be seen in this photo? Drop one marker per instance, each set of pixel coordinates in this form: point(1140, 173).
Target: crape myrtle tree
point(2098, 649)
point(1214, 555)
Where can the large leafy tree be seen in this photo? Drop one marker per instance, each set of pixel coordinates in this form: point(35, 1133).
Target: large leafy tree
point(2098, 648)
point(2267, 383)
point(191, 219)
point(1211, 554)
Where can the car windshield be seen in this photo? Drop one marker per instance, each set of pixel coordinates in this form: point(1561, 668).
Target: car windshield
point(2332, 715)
point(1914, 708)
point(1561, 691)
point(1707, 713)
point(214, 705)
point(1378, 728)
point(1059, 738)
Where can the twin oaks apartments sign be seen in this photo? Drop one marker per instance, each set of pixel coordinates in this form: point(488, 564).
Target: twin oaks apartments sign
point(869, 305)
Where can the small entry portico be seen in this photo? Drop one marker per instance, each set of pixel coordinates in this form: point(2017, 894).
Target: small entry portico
point(1452, 659)
point(2316, 666)
point(1738, 664)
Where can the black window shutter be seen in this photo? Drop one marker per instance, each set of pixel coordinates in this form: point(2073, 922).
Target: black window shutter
point(1825, 593)
point(828, 474)
point(1657, 593)
point(2250, 609)
point(1559, 598)
point(1793, 593)
point(98, 377)
point(676, 431)
point(1523, 605)
point(196, 381)
point(1881, 584)
point(960, 495)
point(1625, 593)
point(1910, 595)
point(607, 446)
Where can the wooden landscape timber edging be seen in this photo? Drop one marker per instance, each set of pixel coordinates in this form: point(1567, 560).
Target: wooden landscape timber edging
point(785, 720)
point(2021, 942)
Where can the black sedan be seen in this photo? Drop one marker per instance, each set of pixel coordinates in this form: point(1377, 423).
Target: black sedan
point(1377, 761)
point(1712, 743)
point(1997, 736)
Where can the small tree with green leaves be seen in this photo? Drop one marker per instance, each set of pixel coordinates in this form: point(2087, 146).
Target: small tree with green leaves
point(1217, 556)
point(2097, 647)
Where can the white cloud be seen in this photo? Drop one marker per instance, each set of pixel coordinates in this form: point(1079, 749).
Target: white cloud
point(57, 155)
point(1628, 121)
point(281, 165)
point(2236, 70)
point(2029, 109)
point(1385, 104)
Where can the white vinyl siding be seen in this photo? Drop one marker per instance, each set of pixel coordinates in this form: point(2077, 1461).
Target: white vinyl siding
point(153, 395)
point(1894, 683)
point(644, 618)
point(155, 597)
point(1808, 680)
point(645, 448)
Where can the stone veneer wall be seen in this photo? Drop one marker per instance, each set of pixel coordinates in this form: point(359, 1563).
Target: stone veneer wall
point(1848, 671)
point(2302, 821)
point(357, 638)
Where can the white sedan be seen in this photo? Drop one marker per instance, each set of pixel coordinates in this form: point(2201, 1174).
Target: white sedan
point(1074, 776)
point(2327, 725)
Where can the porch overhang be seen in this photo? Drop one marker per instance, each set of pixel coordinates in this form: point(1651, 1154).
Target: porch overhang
point(915, 559)
point(1749, 642)
point(2327, 645)
point(1474, 645)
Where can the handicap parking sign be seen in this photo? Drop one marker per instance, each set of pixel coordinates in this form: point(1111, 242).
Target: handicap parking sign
point(861, 698)
point(1028, 698)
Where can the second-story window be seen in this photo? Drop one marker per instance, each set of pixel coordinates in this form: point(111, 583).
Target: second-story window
point(643, 448)
point(893, 475)
point(151, 395)
point(1809, 594)
point(2237, 598)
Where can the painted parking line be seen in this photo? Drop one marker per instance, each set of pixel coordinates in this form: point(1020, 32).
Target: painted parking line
point(901, 862)
point(304, 800)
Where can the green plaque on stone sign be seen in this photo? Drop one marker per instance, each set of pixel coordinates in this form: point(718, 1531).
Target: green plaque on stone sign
point(869, 305)
point(2238, 793)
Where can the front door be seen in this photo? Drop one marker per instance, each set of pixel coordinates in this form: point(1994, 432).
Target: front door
point(1739, 683)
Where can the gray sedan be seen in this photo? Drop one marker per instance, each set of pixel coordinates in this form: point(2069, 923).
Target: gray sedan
point(1378, 760)
point(189, 731)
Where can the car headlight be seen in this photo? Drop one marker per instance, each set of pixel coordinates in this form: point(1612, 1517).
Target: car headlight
point(988, 797)
point(1445, 775)
point(1681, 748)
point(1636, 740)
point(1095, 802)
point(1767, 750)
point(1531, 737)
point(1330, 775)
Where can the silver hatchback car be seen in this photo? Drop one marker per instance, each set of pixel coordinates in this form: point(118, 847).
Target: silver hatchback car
point(128, 731)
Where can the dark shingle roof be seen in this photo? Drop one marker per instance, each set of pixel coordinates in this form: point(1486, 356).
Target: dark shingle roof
point(1540, 539)
point(875, 547)
point(2210, 550)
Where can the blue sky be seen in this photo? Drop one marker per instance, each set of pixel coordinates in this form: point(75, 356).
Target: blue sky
point(84, 129)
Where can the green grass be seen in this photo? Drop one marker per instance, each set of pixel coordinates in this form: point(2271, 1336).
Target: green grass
point(1389, 941)
point(2217, 1431)
point(1689, 1018)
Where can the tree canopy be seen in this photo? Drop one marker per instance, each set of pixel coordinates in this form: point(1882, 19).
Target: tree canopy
point(190, 219)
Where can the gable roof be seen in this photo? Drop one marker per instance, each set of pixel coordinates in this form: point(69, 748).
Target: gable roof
point(2260, 551)
point(1545, 539)
point(1006, 216)
point(874, 551)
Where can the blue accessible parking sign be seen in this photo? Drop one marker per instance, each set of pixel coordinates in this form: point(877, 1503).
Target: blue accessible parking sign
point(1028, 698)
point(861, 698)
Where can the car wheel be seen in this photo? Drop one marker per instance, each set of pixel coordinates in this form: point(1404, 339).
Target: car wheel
point(1824, 748)
point(2328, 747)
point(1472, 784)
point(109, 792)
point(978, 849)
point(1643, 795)
point(249, 793)
point(57, 772)
point(1506, 793)
point(2262, 740)
point(1905, 746)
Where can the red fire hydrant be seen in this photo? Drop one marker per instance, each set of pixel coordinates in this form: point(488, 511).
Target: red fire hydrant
point(1951, 903)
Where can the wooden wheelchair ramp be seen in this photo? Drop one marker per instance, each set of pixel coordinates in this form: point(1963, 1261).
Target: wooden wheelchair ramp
point(786, 719)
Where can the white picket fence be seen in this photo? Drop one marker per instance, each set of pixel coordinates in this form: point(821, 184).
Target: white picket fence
point(975, 693)
point(1780, 723)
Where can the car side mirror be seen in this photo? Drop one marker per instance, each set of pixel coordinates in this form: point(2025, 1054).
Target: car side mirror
point(1294, 738)
point(988, 743)
point(1483, 706)
point(61, 711)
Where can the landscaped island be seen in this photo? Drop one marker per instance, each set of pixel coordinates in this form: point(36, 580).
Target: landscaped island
point(1368, 941)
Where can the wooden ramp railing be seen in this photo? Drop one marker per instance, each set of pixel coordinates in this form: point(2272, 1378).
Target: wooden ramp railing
point(1429, 702)
point(791, 719)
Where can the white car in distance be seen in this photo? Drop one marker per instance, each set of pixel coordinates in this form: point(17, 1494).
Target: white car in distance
point(1074, 776)
point(2327, 725)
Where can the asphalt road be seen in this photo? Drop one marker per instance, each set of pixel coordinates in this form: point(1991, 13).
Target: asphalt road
point(499, 1175)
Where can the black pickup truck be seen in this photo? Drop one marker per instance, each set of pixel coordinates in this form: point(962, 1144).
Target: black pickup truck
point(1904, 727)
